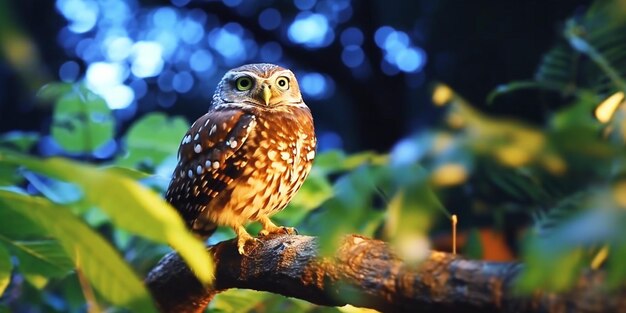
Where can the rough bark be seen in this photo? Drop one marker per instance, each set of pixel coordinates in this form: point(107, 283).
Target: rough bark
point(366, 273)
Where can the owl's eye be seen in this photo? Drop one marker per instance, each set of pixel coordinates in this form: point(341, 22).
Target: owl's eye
point(283, 82)
point(244, 83)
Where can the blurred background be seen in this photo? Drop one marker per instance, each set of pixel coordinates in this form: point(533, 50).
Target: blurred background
point(509, 114)
point(366, 67)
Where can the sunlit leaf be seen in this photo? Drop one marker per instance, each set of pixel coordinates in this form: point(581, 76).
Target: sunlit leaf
point(237, 300)
point(127, 172)
point(442, 95)
point(81, 121)
point(126, 202)
point(151, 139)
point(6, 266)
point(449, 174)
point(605, 110)
point(101, 264)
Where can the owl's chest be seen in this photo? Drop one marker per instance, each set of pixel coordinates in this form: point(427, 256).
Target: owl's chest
point(282, 143)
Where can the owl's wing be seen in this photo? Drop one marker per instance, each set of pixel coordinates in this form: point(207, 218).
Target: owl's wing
point(207, 161)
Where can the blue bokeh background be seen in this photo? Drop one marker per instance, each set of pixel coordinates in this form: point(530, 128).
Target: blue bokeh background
point(365, 67)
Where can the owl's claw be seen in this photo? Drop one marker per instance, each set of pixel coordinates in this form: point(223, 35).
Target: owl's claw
point(270, 228)
point(246, 244)
point(278, 230)
point(244, 240)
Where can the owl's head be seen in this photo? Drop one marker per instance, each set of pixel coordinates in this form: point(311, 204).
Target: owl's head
point(263, 85)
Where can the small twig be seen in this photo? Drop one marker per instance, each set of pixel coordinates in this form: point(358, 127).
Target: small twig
point(454, 222)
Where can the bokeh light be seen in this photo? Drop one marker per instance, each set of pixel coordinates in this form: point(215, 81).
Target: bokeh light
point(178, 48)
point(399, 53)
point(316, 85)
point(270, 19)
point(311, 30)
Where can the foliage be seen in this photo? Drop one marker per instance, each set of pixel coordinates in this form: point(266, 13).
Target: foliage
point(581, 215)
point(101, 219)
point(49, 240)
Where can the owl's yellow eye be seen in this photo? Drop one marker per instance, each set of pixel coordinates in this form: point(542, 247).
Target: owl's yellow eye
point(244, 83)
point(282, 82)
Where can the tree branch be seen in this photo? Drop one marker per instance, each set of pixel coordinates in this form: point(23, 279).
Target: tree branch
point(366, 273)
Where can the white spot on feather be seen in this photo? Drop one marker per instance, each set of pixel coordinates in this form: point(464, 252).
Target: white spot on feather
point(310, 155)
point(213, 129)
point(187, 139)
point(190, 174)
point(216, 165)
point(196, 136)
point(197, 148)
point(199, 169)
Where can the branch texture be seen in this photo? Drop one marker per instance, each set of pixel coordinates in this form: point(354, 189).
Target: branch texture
point(366, 273)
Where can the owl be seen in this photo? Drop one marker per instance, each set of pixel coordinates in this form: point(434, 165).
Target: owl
point(247, 157)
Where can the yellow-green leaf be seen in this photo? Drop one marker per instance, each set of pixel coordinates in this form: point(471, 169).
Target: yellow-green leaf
point(102, 265)
point(5, 269)
point(128, 204)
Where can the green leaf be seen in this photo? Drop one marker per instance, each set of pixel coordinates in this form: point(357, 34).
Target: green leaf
point(553, 259)
point(473, 248)
point(349, 211)
point(82, 121)
point(151, 139)
point(126, 202)
point(336, 160)
point(16, 141)
point(19, 141)
point(315, 191)
point(238, 300)
point(127, 172)
point(101, 264)
point(40, 257)
point(15, 227)
point(6, 266)
point(54, 91)
point(9, 176)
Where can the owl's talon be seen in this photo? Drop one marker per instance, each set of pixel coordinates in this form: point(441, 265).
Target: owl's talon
point(250, 244)
point(282, 230)
point(289, 230)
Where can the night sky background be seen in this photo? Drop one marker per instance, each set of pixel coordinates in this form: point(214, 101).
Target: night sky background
point(369, 66)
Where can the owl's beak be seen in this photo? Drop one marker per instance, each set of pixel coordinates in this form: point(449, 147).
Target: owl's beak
point(267, 94)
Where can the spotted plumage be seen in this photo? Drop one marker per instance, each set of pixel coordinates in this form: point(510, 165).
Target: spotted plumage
point(247, 157)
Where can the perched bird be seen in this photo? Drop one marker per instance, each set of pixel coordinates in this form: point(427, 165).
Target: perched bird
point(247, 157)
